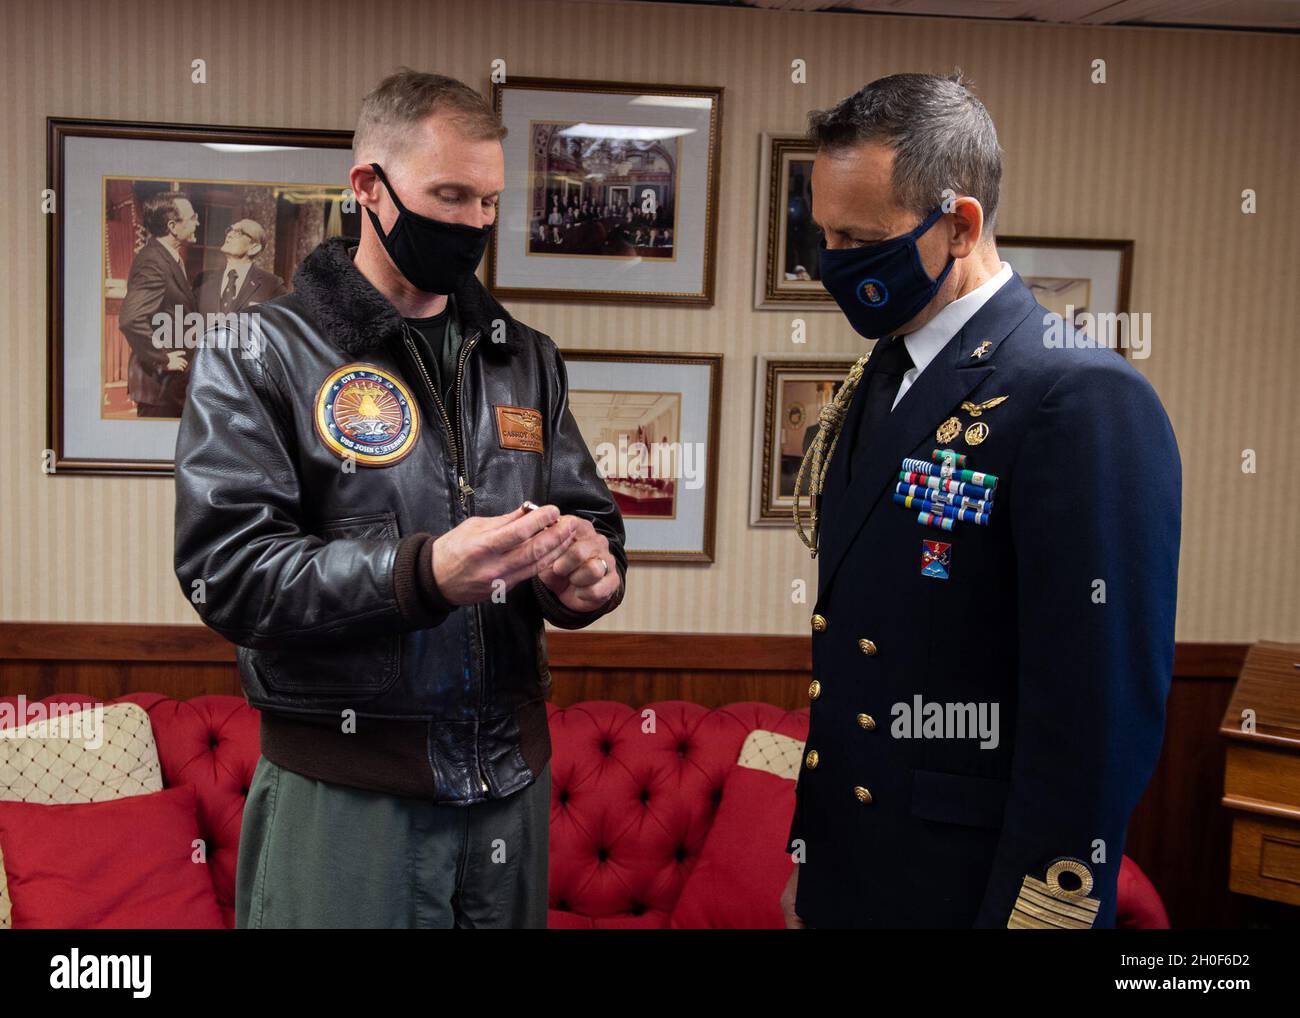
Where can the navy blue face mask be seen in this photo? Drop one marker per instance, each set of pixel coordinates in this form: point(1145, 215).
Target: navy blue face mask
point(881, 287)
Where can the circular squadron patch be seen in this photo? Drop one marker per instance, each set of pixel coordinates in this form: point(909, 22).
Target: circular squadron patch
point(366, 414)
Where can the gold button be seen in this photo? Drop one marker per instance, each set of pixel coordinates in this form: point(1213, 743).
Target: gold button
point(867, 647)
point(811, 759)
point(814, 689)
point(819, 623)
point(867, 722)
point(863, 795)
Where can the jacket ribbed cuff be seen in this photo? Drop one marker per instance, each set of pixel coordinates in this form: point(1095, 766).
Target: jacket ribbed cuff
point(418, 598)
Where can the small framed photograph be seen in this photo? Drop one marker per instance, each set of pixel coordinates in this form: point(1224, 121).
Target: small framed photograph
point(159, 231)
point(611, 192)
point(789, 393)
point(1083, 281)
point(651, 423)
point(787, 273)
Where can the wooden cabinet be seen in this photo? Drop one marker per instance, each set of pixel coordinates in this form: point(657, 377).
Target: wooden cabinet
point(1261, 784)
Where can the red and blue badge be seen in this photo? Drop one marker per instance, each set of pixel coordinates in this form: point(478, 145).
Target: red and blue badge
point(936, 557)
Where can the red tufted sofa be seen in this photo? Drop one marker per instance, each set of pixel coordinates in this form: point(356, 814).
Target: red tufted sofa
point(635, 793)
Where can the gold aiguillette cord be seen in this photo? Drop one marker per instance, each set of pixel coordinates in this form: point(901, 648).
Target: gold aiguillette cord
point(818, 456)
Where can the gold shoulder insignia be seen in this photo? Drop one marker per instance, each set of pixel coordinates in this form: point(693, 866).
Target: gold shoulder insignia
point(1054, 904)
point(975, 409)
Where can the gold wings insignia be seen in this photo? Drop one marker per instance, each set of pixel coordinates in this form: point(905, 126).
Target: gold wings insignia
point(531, 422)
point(975, 409)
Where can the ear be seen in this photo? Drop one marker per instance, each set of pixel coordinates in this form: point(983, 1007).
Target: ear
point(968, 226)
point(365, 185)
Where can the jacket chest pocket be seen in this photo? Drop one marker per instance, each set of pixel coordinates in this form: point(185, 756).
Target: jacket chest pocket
point(346, 668)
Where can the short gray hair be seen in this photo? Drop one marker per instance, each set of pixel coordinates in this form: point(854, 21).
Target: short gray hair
point(406, 97)
point(940, 133)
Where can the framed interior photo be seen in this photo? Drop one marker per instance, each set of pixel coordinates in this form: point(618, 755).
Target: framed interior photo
point(157, 230)
point(611, 192)
point(789, 393)
point(786, 268)
point(651, 423)
point(1076, 279)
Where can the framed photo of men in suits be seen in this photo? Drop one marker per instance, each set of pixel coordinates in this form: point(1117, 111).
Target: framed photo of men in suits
point(158, 234)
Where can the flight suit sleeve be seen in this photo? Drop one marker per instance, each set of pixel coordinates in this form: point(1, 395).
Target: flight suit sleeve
point(577, 489)
point(242, 553)
point(1095, 519)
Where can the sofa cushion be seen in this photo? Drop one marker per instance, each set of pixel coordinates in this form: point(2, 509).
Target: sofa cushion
point(129, 863)
point(75, 755)
point(737, 882)
point(634, 793)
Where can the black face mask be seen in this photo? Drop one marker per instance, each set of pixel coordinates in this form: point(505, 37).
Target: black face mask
point(434, 256)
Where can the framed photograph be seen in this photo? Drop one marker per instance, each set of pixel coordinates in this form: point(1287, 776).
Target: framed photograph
point(1076, 279)
point(787, 274)
point(611, 192)
point(156, 231)
point(789, 393)
point(651, 423)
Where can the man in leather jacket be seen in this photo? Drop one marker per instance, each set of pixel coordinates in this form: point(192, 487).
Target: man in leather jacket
point(348, 512)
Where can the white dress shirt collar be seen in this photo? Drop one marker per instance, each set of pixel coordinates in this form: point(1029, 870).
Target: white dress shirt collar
point(924, 344)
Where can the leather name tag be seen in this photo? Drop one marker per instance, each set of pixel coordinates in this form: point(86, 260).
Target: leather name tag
point(519, 428)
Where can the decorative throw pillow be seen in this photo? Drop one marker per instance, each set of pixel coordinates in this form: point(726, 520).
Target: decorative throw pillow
point(742, 869)
point(67, 757)
point(124, 864)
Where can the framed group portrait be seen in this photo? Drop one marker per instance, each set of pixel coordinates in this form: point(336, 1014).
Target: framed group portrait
point(611, 192)
point(650, 421)
point(156, 231)
point(789, 393)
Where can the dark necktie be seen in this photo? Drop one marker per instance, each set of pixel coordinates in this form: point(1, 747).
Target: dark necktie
point(889, 363)
point(228, 294)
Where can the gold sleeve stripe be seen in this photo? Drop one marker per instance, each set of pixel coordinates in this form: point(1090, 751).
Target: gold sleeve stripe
point(1037, 908)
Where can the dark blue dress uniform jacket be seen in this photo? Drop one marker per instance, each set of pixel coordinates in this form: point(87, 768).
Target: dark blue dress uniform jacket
point(938, 832)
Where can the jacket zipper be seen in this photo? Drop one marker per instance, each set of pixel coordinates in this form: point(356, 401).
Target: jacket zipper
point(454, 437)
point(456, 440)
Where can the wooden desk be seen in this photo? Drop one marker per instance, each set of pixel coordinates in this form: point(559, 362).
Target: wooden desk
point(1261, 784)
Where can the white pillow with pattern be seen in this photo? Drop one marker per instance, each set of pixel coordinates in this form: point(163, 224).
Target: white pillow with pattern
point(73, 756)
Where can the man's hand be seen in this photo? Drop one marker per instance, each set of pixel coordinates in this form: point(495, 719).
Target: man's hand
point(177, 361)
point(471, 557)
point(792, 920)
point(584, 577)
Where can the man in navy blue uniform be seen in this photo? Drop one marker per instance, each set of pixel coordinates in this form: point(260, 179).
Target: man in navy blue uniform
point(998, 550)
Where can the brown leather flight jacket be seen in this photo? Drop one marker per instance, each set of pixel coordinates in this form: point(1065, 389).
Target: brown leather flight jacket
point(307, 544)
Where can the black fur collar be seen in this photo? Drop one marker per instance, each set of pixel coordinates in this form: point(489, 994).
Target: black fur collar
point(358, 318)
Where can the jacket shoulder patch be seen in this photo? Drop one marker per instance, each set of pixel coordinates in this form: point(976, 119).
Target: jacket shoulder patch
point(519, 428)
